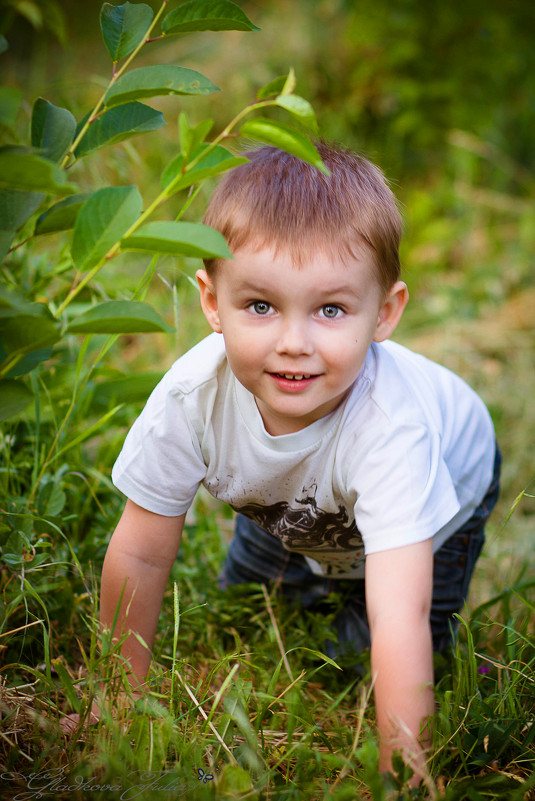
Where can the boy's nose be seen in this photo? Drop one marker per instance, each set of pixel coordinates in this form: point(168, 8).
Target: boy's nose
point(294, 339)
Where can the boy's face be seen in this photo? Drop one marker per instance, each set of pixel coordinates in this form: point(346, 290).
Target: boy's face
point(297, 337)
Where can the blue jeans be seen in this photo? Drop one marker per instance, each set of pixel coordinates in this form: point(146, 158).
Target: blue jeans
point(257, 556)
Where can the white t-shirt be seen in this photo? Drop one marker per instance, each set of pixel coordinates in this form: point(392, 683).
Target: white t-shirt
point(407, 456)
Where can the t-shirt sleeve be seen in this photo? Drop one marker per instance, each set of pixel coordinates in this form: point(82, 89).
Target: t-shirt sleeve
point(160, 465)
point(404, 491)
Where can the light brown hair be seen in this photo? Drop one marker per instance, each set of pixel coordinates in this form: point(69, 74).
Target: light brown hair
point(276, 200)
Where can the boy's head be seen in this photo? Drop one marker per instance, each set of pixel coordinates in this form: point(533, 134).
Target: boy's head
point(312, 284)
point(278, 201)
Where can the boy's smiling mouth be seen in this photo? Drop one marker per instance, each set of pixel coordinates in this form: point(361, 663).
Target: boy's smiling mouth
point(294, 376)
point(293, 381)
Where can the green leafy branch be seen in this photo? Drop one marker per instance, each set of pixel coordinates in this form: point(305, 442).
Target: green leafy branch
point(114, 219)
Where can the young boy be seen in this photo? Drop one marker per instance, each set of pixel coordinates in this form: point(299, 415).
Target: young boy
point(352, 462)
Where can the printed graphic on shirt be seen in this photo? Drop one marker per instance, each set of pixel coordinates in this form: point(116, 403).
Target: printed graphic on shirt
point(327, 537)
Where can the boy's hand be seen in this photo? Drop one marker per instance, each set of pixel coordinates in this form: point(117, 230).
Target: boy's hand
point(70, 723)
point(136, 569)
point(399, 587)
point(134, 577)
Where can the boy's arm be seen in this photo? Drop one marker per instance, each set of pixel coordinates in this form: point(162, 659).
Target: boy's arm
point(139, 559)
point(399, 587)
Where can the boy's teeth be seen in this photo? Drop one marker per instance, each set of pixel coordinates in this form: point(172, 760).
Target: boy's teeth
point(294, 377)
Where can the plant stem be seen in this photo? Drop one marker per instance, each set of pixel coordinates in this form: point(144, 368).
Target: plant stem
point(72, 405)
point(164, 195)
point(115, 76)
point(10, 363)
point(226, 132)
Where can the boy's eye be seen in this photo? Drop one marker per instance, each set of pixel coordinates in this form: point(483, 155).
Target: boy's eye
point(330, 311)
point(260, 307)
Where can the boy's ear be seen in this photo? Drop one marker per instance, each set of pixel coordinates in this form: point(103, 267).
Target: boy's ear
point(391, 311)
point(208, 299)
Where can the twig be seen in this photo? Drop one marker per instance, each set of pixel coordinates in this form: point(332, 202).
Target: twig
point(205, 716)
point(289, 687)
point(499, 666)
point(6, 738)
point(21, 628)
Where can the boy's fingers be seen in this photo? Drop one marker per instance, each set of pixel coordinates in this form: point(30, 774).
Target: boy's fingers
point(69, 723)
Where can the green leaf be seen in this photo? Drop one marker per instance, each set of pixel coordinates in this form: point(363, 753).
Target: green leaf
point(119, 317)
point(285, 138)
point(24, 327)
point(127, 389)
point(27, 327)
point(191, 137)
point(25, 330)
point(180, 238)
point(28, 362)
point(16, 207)
point(283, 85)
point(61, 216)
point(6, 238)
point(300, 107)
point(64, 676)
point(14, 398)
point(207, 15)
point(158, 80)
point(10, 100)
point(31, 11)
point(272, 88)
point(51, 499)
point(54, 19)
point(117, 124)
point(52, 129)
point(123, 27)
point(317, 655)
point(21, 168)
point(101, 222)
point(290, 83)
point(12, 300)
point(217, 161)
point(234, 782)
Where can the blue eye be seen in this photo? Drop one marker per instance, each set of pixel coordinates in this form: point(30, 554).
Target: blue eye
point(331, 311)
point(260, 307)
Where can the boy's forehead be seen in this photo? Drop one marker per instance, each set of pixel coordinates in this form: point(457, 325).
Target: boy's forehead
point(300, 254)
point(257, 267)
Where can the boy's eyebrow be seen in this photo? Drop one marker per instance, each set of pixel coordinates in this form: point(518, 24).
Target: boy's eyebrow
point(259, 287)
point(343, 289)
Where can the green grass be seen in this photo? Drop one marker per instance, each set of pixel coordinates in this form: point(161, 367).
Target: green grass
point(240, 692)
point(239, 689)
